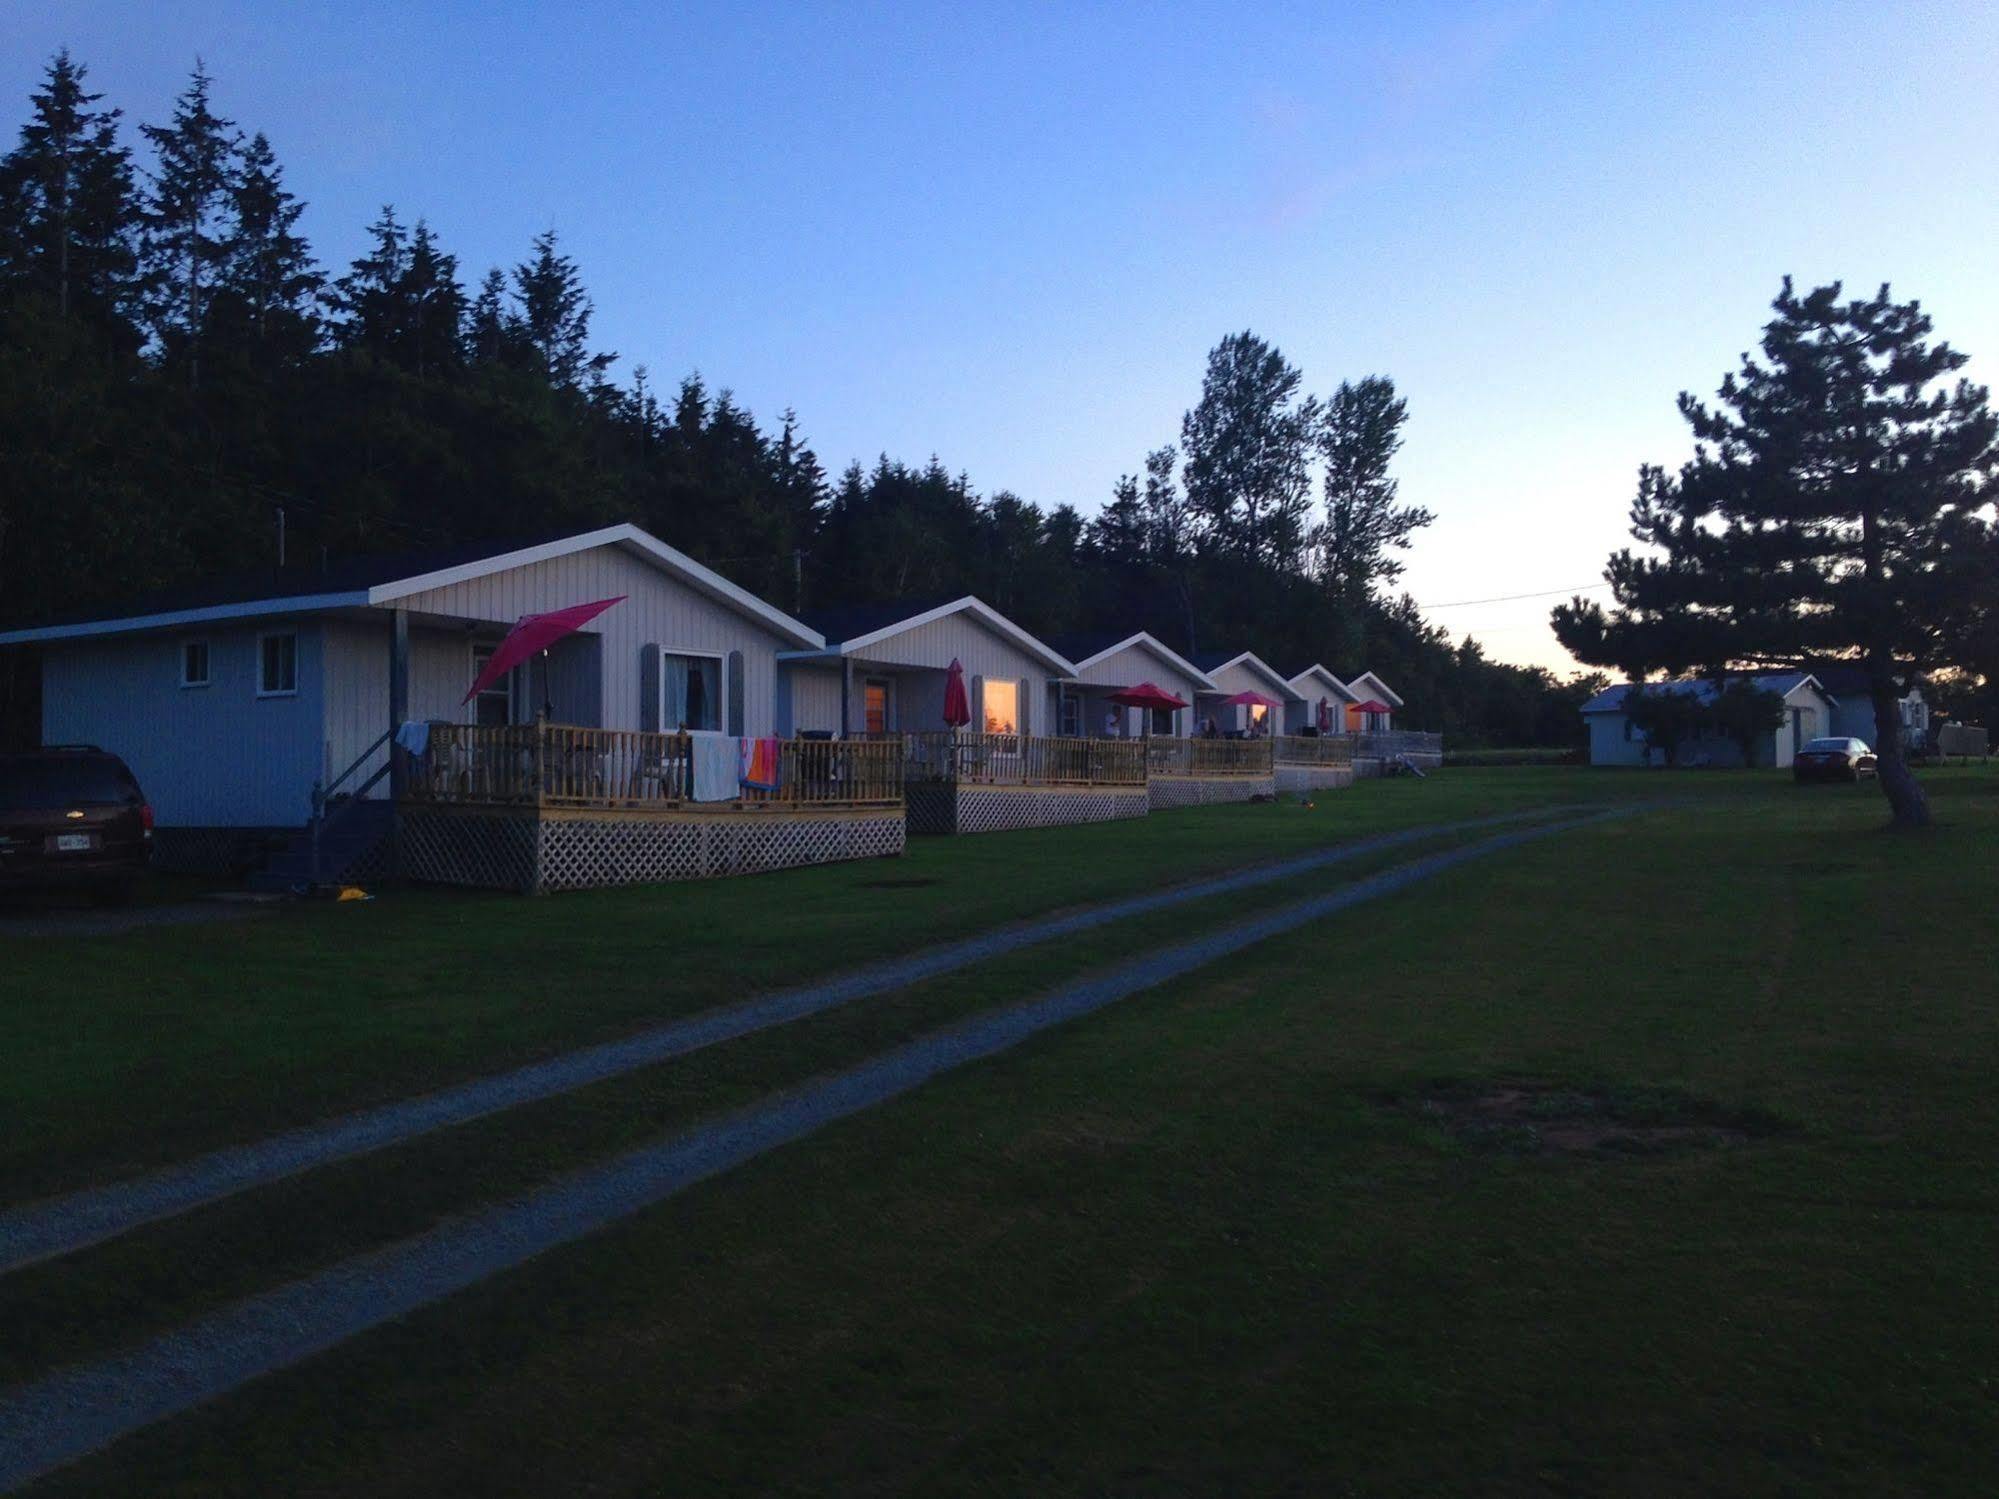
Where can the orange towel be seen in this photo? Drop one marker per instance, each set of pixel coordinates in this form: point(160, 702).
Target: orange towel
point(761, 759)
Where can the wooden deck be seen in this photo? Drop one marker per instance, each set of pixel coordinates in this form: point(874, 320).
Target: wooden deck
point(1022, 760)
point(562, 767)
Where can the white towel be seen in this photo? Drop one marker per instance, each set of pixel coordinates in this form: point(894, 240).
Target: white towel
point(414, 736)
point(717, 766)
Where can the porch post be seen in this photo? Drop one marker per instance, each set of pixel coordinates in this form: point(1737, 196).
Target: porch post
point(399, 710)
point(846, 691)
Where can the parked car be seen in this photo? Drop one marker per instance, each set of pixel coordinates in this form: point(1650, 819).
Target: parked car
point(72, 814)
point(1833, 760)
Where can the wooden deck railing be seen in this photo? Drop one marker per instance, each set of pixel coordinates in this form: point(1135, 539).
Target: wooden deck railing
point(1209, 757)
point(1024, 760)
point(1398, 742)
point(559, 765)
point(1308, 749)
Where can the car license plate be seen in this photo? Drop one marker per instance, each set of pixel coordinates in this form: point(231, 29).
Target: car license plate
point(72, 843)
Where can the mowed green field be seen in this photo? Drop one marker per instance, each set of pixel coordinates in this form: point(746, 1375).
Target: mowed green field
point(1210, 1240)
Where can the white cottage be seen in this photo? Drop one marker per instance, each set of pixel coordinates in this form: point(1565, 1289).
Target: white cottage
point(232, 705)
point(1324, 701)
point(1234, 672)
point(1113, 661)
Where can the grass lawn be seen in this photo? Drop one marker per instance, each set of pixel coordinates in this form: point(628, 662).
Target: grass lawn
point(1207, 1241)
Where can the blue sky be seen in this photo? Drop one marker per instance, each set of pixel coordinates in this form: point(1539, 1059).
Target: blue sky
point(1007, 235)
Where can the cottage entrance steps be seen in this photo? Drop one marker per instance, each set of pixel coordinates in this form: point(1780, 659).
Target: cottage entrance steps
point(353, 846)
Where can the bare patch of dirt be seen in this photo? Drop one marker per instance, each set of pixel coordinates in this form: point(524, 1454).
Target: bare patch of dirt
point(1537, 1118)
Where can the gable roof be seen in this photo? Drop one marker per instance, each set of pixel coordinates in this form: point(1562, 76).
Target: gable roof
point(364, 582)
point(1321, 674)
point(1087, 650)
point(1380, 689)
point(849, 631)
point(1216, 661)
point(1783, 683)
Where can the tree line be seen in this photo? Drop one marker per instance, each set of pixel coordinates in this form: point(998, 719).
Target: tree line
point(186, 390)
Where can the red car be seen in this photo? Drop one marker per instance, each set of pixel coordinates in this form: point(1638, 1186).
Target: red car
point(72, 814)
point(1833, 760)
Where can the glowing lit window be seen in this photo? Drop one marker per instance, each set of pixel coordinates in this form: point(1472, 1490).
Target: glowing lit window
point(874, 696)
point(1002, 705)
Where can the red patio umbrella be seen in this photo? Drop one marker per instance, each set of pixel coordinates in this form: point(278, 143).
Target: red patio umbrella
point(1371, 706)
point(957, 707)
point(533, 633)
point(1145, 695)
point(1249, 698)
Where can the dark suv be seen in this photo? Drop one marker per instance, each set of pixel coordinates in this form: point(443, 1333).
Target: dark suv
point(72, 813)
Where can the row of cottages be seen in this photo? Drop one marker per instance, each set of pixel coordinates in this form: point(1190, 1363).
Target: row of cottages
point(1830, 702)
point(689, 729)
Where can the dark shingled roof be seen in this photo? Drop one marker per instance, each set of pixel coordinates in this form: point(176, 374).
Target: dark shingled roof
point(336, 575)
point(851, 621)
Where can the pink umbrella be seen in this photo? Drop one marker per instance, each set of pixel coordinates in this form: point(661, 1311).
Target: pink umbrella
point(957, 707)
point(1250, 699)
point(534, 633)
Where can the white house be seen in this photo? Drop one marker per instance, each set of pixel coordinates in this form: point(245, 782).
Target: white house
point(1808, 714)
point(1234, 672)
point(1111, 662)
point(230, 704)
point(1368, 688)
point(881, 669)
point(1325, 700)
point(1853, 707)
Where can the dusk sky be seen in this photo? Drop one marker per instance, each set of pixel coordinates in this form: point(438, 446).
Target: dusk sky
point(1008, 235)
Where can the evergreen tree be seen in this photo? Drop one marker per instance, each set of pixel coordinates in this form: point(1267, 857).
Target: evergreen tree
point(492, 332)
point(370, 299)
point(187, 221)
point(1247, 445)
point(268, 280)
point(1831, 511)
point(1118, 534)
point(432, 306)
point(1360, 432)
point(68, 214)
point(555, 316)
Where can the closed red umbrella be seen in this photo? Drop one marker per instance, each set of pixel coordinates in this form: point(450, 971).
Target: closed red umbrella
point(957, 707)
point(533, 633)
point(1145, 695)
point(1325, 716)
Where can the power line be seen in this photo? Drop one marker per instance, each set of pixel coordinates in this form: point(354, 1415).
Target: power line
point(1509, 598)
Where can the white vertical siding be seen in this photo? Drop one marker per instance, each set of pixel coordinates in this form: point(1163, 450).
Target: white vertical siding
point(214, 756)
point(984, 653)
point(659, 609)
point(1129, 667)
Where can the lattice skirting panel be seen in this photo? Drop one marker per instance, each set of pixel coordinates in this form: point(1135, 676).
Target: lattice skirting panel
point(1303, 778)
point(215, 850)
point(1204, 791)
point(518, 851)
point(992, 809)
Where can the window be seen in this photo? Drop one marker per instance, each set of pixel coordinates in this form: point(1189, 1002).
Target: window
point(874, 705)
point(1002, 707)
point(277, 665)
point(1162, 720)
point(690, 693)
point(494, 706)
point(194, 663)
point(1072, 716)
point(1259, 718)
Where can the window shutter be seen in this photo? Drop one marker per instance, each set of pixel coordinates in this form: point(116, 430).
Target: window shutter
point(1021, 698)
point(735, 690)
point(978, 723)
point(649, 689)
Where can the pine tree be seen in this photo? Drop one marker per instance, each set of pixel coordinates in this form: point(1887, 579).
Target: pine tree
point(1360, 432)
point(369, 299)
point(68, 213)
point(1118, 531)
point(269, 280)
point(491, 329)
point(555, 316)
point(187, 221)
point(433, 306)
point(1831, 511)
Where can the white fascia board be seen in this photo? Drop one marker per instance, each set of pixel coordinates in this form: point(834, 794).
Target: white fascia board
point(1271, 674)
point(667, 559)
point(1323, 675)
point(986, 613)
point(1159, 648)
point(1381, 689)
point(177, 619)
